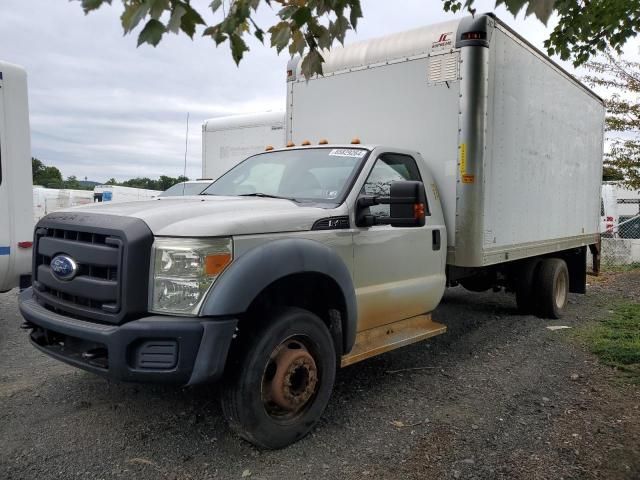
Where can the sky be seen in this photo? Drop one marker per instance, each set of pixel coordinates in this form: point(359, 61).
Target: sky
point(102, 108)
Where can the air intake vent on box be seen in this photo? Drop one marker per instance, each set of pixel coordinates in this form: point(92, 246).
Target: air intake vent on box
point(443, 68)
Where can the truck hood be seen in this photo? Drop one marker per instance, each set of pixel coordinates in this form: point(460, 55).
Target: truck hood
point(204, 216)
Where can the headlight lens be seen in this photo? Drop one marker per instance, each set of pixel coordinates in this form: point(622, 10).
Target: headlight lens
point(183, 271)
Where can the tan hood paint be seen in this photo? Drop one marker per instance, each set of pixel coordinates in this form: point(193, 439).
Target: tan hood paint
point(211, 216)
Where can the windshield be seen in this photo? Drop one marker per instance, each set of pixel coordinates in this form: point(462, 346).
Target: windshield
point(187, 188)
point(320, 175)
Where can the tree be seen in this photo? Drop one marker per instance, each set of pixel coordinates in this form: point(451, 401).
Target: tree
point(42, 175)
point(621, 79)
point(72, 183)
point(306, 27)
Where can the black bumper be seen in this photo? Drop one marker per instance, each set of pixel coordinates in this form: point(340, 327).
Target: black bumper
point(155, 349)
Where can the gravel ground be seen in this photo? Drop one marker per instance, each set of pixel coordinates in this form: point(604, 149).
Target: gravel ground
point(498, 396)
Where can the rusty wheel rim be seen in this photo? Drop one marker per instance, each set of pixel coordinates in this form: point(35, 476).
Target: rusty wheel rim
point(290, 380)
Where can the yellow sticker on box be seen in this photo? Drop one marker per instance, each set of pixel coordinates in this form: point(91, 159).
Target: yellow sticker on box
point(463, 159)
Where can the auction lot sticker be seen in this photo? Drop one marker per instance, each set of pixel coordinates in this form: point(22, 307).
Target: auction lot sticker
point(348, 152)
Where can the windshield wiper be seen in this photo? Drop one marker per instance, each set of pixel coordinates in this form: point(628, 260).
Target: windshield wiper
point(267, 195)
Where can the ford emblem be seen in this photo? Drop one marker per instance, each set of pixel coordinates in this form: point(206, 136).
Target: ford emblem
point(64, 267)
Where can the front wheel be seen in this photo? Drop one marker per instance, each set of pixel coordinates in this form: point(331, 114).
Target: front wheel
point(280, 378)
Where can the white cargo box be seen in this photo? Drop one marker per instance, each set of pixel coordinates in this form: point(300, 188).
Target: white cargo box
point(226, 141)
point(514, 142)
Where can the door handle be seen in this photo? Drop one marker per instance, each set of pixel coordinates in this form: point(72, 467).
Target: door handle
point(435, 239)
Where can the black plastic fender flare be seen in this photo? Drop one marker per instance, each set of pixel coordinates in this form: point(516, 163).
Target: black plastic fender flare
point(258, 268)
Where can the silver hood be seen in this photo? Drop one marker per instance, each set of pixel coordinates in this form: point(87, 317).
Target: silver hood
point(212, 216)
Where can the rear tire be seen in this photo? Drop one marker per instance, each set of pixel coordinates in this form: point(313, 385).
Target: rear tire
point(552, 280)
point(525, 286)
point(280, 378)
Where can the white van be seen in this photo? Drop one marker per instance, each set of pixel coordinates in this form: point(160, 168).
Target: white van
point(16, 207)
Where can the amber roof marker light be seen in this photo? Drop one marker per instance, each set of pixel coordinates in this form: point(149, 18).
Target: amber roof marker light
point(290, 144)
point(268, 148)
point(305, 143)
point(323, 141)
point(355, 141)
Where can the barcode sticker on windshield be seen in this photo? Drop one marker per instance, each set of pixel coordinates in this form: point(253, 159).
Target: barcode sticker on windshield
point(348, 152)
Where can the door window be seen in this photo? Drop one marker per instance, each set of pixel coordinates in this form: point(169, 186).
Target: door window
point(389, 167)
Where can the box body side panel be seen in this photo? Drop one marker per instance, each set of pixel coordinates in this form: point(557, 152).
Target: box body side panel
point(543, 167)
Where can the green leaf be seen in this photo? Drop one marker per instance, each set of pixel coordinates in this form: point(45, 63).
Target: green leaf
point(280, 35)
point(215, 5)
point(89, 5)
point(189, 20)
point(338, 29)
point(158, 7)
point(298, 43)
point(312, 64)
point(176, 18)
point(151, 33)
point(133, 13)
point(356, 13)
point(541, 8)
point(301, 16)
point(238, 47)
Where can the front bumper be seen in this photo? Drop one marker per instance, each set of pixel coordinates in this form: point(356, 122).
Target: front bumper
point(155, 349)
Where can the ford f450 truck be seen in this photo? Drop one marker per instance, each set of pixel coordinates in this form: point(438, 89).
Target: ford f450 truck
point(303, 259)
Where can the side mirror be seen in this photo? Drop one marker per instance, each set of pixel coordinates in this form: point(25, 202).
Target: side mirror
point(408, 206)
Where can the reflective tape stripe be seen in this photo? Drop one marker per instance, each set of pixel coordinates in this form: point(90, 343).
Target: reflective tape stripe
point(5, 250)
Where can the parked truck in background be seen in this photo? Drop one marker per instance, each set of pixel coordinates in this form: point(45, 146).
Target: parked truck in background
point(483, 169)
point(119, 194)
point(226, 141)
point(47, 200)
point(16, 216)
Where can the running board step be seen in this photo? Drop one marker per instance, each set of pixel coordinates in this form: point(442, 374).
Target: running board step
point(375, 341)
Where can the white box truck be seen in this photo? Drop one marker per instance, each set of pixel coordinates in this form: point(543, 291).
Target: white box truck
point(16, 215)
point(226, 141)
point(303, 259)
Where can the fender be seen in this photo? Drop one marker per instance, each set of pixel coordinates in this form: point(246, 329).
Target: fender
point(251, 273)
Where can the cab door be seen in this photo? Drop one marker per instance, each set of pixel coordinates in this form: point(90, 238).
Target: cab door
point(398, 271)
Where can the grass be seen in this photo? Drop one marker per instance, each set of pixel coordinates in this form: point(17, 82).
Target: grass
point(616, 339)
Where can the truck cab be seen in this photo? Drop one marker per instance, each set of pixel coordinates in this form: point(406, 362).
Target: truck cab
point(295, 262)
point(16, 202)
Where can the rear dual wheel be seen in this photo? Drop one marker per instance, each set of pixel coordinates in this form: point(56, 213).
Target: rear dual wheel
point(280, 380)
point(542, 287)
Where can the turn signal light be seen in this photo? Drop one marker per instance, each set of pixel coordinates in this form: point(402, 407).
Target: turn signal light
point(418, 211)
point(215, 264)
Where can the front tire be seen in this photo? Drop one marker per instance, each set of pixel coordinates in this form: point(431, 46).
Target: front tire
point(280, 378)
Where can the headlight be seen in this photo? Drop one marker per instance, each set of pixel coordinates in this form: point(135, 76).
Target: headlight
point(183, 271)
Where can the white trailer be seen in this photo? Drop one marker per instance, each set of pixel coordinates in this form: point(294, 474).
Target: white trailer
point(514, 141)
point(226, 141)
point(118, 194)
point(16, 216)
point(47, 200)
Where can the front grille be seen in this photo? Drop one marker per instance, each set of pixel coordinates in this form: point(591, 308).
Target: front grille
point(94, 292)
point(112, 258)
